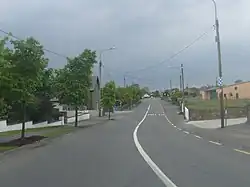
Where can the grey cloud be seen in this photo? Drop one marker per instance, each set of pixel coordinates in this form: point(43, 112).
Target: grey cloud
point(144, 32)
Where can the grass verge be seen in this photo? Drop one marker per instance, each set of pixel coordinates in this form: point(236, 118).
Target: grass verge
point(47, 132)
point(11, 133)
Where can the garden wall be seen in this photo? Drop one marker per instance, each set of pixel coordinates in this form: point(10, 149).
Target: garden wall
point(29, 125)
point(209, 114)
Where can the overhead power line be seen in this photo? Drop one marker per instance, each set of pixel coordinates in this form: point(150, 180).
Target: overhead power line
point(177, 53)
point(47, 50)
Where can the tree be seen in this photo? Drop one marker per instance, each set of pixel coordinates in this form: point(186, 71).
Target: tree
point(156, 93)
point(5, 78)
point(238, 81)
point(145, 90)
point(27, 61)
point(74, 80)
point(108, 96)
point(43, 110)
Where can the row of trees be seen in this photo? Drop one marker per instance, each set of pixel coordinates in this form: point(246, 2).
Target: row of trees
point(27, 85)
point(121, 97)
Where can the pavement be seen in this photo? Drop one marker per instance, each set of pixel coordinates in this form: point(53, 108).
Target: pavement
point(141, 149)
point(216, 123)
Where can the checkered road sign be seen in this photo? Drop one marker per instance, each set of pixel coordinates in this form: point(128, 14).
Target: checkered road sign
point(219, 81)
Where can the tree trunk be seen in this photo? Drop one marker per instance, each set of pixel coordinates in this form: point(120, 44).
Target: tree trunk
point(76, 116)
point(24, 119)
point(109, 113)
point(130, 104)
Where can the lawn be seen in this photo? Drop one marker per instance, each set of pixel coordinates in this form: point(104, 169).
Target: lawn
point(197, 103)
point(45, 132)
point(10, 133)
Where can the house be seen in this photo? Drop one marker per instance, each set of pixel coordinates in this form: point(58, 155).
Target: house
point(239, 90)
point(209, 93)
point(94, 93)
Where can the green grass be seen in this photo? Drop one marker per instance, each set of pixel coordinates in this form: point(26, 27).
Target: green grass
point(6, 148)
point(59, 131)
point(10, 133)
point(196, 103)
point(49, 132)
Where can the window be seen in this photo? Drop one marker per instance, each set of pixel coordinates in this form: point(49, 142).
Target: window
point(225, 95)
point(237, 95)
point(235, 88)
point(231, 94)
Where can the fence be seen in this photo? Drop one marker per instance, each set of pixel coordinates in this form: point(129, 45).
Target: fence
point(4, 127)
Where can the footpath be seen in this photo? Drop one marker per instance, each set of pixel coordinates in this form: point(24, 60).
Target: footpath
point(235, 136)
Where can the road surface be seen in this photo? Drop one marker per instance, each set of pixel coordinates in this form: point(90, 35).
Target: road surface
point(142, 149)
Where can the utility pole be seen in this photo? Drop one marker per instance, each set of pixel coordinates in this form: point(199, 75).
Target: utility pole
point(124, 81)
point(100, 79)
point(220, 80)
point(100, 87)
point(170, 84)
point(180, 83)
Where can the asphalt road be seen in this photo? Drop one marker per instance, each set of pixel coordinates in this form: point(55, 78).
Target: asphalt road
point(137, 150)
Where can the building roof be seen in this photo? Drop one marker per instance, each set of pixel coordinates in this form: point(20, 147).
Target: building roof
point(235, 84)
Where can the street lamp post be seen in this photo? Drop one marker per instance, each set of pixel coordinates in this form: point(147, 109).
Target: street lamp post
point(100, 78)
point(220, 80)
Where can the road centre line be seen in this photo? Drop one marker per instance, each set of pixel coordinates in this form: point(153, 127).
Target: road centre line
point(186, 132)
point(166, 181)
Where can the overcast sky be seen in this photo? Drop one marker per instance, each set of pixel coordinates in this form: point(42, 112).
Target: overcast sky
point(144, 32)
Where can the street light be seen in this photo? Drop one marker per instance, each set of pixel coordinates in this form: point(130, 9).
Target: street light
point(100, 76)
point(220, 80)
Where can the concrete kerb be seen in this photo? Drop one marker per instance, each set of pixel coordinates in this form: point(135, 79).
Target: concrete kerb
point(48, 140)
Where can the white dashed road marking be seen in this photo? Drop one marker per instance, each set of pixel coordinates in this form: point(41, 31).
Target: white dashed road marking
point(166, 181)
point(216, 143)
point(197, 136)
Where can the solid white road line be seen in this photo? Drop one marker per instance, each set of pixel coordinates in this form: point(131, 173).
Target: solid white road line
point(167, 182)
point(216, 143)
point(197, 136)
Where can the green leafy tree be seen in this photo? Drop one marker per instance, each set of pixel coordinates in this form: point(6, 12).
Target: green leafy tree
point(27, 63)
point(109, 96)
point(43, 109)
point(129, 95)
point(5, 78)
point(74, 80)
